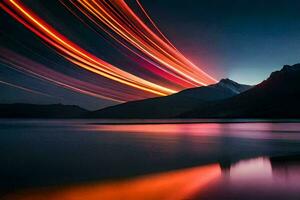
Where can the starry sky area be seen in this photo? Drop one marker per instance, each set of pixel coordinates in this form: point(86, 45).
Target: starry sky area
point(244, 40)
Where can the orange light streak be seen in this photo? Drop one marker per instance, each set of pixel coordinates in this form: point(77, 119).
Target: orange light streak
point(58, 83)
point(174, 185)
point(174, 78)
point(153, 24)
point(138, 43)
point(74, 52)
point(140, 36)
point(123, 25)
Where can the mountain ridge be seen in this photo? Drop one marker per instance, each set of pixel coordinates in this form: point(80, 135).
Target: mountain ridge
point(172, 105)
point(275, 97)
point(24, 110)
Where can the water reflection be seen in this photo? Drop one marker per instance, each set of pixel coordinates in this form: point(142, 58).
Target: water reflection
point(76, 152)
point(286, 171)
point(174, 185)
point(248, 172)
point(239, 130)
point(260, 178)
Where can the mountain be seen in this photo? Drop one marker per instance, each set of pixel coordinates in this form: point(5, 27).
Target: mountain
point(173, 105)
point(276, 97)
point(20, 110)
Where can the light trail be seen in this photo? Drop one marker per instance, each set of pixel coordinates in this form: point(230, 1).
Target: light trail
point(36, 70)
point(75, 53)
point(25, 89)
point(153, 24)
point(116, 19)
point(126, 24)
point(152, 67)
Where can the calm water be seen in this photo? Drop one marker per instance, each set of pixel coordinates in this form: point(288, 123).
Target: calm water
point(88, 159)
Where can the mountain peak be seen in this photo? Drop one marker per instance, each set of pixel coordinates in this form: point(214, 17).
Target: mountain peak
point(227, 81)
point(232, 85)
point(276, 97)
point(286, 69)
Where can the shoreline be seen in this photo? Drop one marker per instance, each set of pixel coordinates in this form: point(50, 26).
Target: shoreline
point(96, 121)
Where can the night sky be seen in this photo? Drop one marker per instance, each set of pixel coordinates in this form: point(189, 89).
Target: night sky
point(243, 40)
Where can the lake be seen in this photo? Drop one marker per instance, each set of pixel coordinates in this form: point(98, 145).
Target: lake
point(109, 159)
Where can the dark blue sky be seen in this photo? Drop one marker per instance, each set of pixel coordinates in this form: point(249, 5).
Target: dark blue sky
point(240, 39)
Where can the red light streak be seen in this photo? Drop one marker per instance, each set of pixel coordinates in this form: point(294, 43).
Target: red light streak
point(124, 26)
point(125, 23)
point(78, 55)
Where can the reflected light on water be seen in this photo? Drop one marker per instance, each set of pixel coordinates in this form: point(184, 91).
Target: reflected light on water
point(260, 178)
point(85, 150)
point(266, 172)
point(256, 171)
point(174, 185)
point(264, 131)
point(159, 128)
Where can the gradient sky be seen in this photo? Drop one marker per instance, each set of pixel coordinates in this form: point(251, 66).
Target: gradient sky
point(244, 40)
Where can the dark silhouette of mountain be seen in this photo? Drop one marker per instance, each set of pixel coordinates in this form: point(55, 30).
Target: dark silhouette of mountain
point(20, 110)
point(173, 105)
point(276, 97)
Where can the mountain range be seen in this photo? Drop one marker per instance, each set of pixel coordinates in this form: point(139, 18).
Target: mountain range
point(173, 105)
point(276, 97)
point(21, 110)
